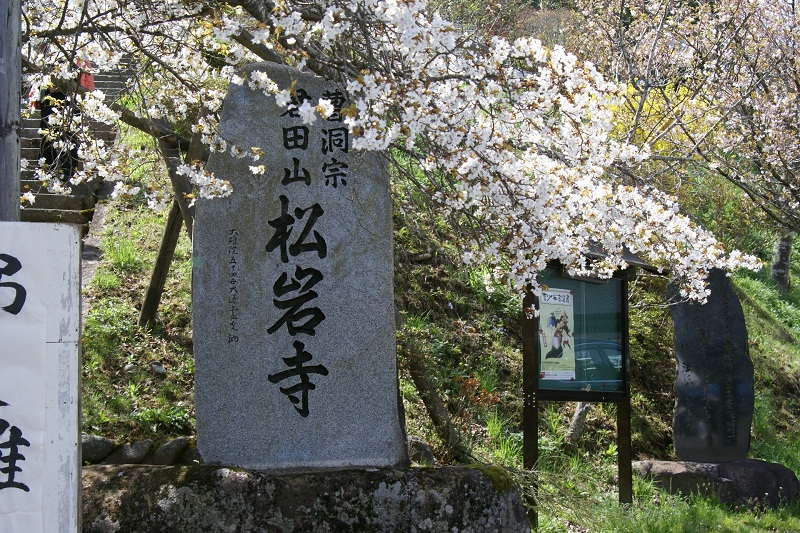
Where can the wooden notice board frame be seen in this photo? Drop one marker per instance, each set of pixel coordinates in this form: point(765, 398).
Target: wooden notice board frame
point(533, 392)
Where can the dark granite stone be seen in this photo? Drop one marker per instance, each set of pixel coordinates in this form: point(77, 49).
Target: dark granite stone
point(420, 451)
point(761, 483)
point(129, 454)
point(95, 448)
point(191, 457)
point(714, 384)
point(170, 452)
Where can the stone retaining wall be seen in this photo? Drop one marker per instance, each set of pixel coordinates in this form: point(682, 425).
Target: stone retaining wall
point(213, 499)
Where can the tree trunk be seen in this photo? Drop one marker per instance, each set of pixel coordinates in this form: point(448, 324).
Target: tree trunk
point(576, 424)
point(180, 211)
point(10, 85)
point(166, 251)
point(180, 184)
point(781, 260)
point(436, 408)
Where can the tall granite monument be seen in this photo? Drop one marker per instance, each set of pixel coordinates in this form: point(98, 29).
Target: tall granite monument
point(294, 334)
point(714, 386)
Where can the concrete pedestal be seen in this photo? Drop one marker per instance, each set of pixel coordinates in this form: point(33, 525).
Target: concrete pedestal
point(211, 498)
point(749, 483)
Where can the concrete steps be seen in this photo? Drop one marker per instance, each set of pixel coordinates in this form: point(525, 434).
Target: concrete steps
point(63, 202)
point(78, 206)
point(65, 216)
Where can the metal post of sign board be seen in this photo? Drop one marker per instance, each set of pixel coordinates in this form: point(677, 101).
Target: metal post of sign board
point(624, 456)
point(530, 409)
point(624, 467)
point(573, 390)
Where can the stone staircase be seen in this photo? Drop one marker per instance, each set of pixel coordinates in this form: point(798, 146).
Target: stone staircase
point(78, 206)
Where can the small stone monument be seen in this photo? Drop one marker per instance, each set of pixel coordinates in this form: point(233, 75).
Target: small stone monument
point(714, 386)
point(294, 335)
point(714, 408)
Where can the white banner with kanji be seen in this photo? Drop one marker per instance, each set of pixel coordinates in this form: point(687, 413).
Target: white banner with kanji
point(39, 380)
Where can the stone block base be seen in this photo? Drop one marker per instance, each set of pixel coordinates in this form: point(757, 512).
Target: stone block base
point(749, 483)
point(208, 498)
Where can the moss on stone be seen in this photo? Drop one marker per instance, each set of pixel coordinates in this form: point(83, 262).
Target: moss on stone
point(499, 477)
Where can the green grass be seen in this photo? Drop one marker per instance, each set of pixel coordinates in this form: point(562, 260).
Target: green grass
point(105, 280)
point(122, 397)
point(773, 329)
point(693, 515)
point(122, 254)
point(505, 446)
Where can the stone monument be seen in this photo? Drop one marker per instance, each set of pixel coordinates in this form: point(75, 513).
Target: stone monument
point(714, 385)
point(294, 335)
point(714, 408)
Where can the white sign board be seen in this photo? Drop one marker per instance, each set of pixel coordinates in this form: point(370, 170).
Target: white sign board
point(40, 383)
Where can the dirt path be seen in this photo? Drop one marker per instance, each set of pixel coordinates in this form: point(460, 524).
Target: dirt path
point(91, 254)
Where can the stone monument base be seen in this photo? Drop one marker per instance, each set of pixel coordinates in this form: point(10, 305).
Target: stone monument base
point(749, 483)
point(210, 498)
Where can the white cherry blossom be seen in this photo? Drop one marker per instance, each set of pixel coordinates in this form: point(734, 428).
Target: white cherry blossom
point(512, 138)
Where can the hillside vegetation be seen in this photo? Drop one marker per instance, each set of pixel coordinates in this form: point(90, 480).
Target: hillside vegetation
point(462, 328)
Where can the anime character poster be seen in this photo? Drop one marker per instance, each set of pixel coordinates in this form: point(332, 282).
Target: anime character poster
point(556, 340)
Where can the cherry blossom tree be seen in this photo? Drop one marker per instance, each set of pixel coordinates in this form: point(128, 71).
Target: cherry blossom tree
point(713, 88)
point(510, 139)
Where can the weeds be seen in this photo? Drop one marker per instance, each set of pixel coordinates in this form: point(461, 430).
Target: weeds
point(121, 254)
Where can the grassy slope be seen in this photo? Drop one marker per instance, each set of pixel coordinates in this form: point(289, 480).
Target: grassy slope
point(467, 331)
point(122, 397)
point(774, 329)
